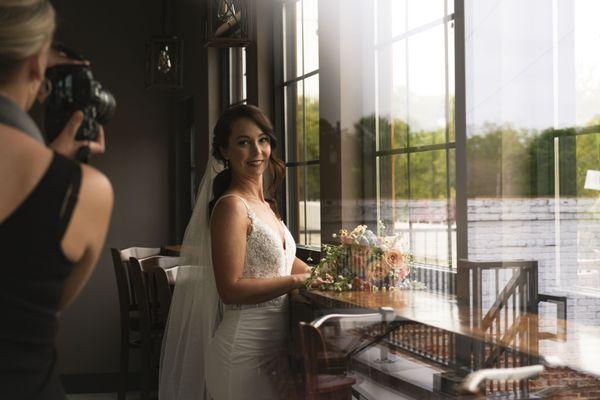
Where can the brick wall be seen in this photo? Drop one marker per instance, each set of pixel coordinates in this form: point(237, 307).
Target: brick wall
point(509, 229)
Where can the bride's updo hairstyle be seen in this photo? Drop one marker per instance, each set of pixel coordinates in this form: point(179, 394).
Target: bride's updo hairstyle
point(221, 135)
point(25, 27)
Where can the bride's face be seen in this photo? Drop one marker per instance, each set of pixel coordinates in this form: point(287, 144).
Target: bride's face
point(248, 149)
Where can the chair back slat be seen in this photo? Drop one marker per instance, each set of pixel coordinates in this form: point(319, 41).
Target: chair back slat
point(141, 296)
point(125, 288)
point(151, 278)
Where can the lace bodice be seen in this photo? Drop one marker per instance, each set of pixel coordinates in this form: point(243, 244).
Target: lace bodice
point(265, 255)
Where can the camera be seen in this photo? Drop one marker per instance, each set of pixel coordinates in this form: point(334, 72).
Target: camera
point(74, 89)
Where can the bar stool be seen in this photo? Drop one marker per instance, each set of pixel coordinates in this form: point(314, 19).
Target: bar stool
point(152, 288)
point(128, 307)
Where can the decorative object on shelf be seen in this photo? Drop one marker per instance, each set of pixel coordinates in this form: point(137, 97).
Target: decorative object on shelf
point(364, 261)
point(164, 56)
point(229, 23)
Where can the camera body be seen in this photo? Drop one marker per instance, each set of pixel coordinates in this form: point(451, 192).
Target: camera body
point(74, 89)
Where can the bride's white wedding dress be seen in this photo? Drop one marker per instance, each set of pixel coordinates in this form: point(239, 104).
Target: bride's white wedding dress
point(246, 359)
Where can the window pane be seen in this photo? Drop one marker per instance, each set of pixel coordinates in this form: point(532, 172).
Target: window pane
point(311, 35)
point(450, 76)
point(313, 206)
point(391, 19)
point(398, 16)
point(294, 122)
point(304, 204)
point(293, 194)
point(393, 194)
point(587, 62)
point(393, 99)
point(422, 12)
point(300, 204)
point(312, 117)
point(450, 7)
point(429, 207)
point(588, 215)
point(427, 87)
point(452, 205)
point(292, 39)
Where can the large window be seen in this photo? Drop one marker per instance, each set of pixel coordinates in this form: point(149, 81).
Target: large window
point(528, 99)
point(414, 125)
point(533, 90)
point(301, 104)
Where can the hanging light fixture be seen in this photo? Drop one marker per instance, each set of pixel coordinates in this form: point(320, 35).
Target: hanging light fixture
point(163, 58)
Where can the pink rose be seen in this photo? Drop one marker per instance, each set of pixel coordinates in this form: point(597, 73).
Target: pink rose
point(403, 272)
point(394, 258)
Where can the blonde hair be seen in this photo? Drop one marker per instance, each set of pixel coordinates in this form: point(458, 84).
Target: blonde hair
point(26, 26)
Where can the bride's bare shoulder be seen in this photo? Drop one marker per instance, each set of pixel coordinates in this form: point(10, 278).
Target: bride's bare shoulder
point(228, 212)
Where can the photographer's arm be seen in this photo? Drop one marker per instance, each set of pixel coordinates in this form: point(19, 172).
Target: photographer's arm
point(86, 233)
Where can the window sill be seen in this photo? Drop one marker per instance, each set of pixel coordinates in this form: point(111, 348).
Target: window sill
point(305, 252)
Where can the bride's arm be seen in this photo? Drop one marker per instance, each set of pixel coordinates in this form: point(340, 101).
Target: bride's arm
point(300, 267)
point(229, 226)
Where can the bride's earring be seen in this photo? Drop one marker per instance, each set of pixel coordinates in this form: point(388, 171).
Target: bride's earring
point(226, 162)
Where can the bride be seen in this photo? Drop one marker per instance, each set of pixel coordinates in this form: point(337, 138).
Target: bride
point(228, 321)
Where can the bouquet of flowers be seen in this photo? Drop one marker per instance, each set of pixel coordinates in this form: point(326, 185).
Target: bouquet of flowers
point(363, 261)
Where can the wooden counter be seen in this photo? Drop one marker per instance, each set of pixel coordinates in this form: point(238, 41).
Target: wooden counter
point(580, 351)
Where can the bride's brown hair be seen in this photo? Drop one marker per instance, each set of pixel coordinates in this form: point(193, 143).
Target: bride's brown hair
point(221, 135)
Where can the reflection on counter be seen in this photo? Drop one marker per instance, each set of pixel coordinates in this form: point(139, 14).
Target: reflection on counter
point(434, 340)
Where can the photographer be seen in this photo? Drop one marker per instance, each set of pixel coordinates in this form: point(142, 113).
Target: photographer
point(54, 213)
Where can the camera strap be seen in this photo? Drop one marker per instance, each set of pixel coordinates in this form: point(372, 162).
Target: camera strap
point(13, 116)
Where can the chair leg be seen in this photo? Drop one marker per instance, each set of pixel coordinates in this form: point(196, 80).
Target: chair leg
point(124, 368)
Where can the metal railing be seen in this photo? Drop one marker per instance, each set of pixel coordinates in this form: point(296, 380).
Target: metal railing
point(424, 341)
point(437, 279)
point(509, 325)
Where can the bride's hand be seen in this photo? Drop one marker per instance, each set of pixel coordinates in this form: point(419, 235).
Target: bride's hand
point(300, 279)
point(316, 284)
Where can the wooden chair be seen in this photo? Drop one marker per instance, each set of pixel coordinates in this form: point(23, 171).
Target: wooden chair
point(128, 308)
point(320, 383)
point(153, 295)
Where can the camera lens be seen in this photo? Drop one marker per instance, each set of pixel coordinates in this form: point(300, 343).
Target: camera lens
point(105, 107)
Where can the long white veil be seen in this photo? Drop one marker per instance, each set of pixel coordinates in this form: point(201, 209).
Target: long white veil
point(195, 311)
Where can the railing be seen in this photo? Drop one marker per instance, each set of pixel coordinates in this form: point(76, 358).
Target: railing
point(437, 279)
point(426, 342)
point(509, 325)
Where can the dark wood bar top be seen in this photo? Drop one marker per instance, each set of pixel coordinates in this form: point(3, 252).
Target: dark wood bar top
point(437, 310)
point(579, 351)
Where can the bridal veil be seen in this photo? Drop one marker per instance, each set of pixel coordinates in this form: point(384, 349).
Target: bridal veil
point(195, 307)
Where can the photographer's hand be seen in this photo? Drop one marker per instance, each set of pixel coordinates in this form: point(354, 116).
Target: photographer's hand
point(57, 57)
point(66, 144)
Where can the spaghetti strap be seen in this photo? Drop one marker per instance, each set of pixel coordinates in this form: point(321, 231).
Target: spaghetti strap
point(248, 209)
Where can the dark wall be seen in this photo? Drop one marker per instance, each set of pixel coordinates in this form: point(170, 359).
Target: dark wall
point(112, 35)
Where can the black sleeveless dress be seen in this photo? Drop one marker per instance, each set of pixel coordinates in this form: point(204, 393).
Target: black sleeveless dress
point(33, 269)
